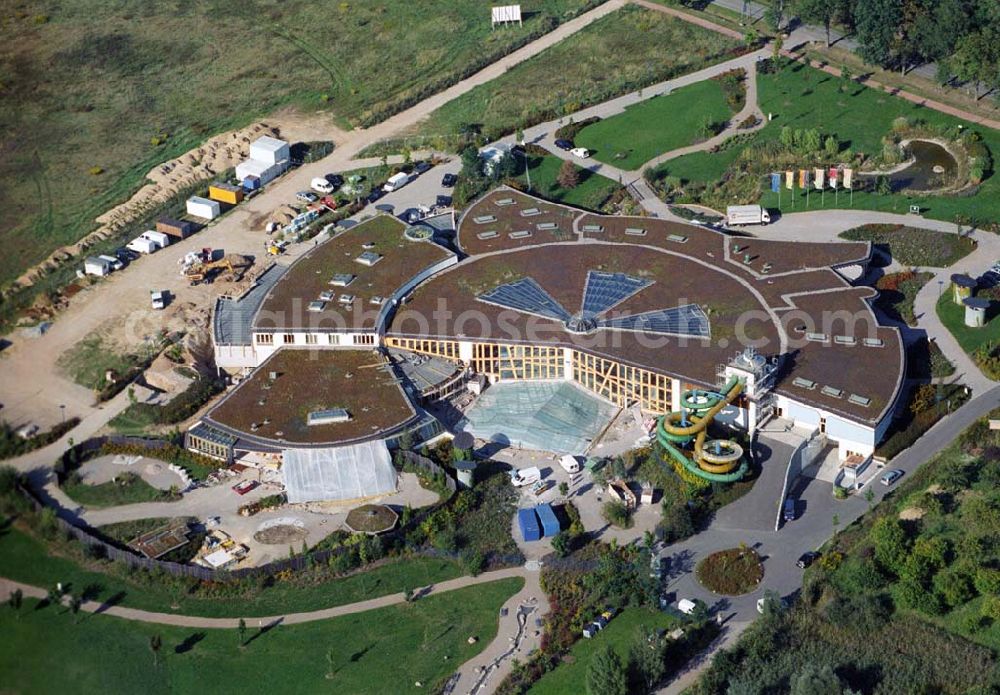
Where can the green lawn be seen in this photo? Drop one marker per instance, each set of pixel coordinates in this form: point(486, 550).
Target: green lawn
point(88, 361)
point(24, 558)
point(571, 675)
point(124, 87)
point(897, 294)
point(953, 317)
point(640, 45)
point(913, 246)
point(590, 193)
point(801, 98)
point(113, 494)
point(656, 125)
point(381, 651)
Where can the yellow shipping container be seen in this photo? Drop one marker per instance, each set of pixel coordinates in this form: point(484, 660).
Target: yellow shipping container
point(225, 193)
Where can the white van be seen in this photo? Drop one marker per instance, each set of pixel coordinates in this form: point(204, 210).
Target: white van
point(686, 606)
point(321, 185)
point(525, 476)
point(396, 181)
point(570, 464)
point(581, 152)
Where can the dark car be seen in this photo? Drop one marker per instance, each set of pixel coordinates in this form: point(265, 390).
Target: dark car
point(789, 510)
point(449, 180)
point(375, 195)
point(806, 559)
point(444, 201)
point(335, 180)
point(422, 167)
point(563, 144)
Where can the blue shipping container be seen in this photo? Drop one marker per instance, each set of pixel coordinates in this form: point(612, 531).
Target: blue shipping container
point(550, 523)
point(528, 521)
point(251, 183)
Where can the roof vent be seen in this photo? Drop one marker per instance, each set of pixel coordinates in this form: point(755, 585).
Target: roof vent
point(803, 383)
point(816, 337)
point(859, 400)
point(874, 342)
point(844, 340)
point(831, 391)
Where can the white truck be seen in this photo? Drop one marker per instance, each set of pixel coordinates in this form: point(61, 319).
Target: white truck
point(746, 214)
point(396, 181)
point(525, 476)
point(158, 299)
point(570, 464)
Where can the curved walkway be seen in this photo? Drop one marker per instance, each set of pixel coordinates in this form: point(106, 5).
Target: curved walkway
point(7, 585)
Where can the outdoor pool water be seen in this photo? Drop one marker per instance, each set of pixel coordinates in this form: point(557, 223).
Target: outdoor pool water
point(933, 168)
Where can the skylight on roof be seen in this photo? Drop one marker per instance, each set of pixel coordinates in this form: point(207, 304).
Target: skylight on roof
point(329, 416)
point(368, 258)
point(804, 383)
point(605, 290)
point(342, 279)
point(863, 401)
point(528, 296)
point(832, 391)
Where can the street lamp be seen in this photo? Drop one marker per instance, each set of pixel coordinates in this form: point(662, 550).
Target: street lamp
point(62, 409)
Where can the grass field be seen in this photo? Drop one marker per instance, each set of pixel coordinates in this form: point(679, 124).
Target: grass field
point(380, 651)
point(24, 558)
point(953, 317)
point(655, 126)
point(803, 97)
point(571, 675)
point(590, 193)
point(91, 84)
point(88, 361)
point(620, 53)
point(128, 490)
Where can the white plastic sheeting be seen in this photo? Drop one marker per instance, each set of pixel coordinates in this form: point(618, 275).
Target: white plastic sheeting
point(338, 473)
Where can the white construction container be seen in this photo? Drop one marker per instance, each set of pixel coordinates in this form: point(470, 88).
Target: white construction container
point(142, 245)
point(93, 265)
point(203, 207)
point(269, 150)
point(262, 170)
point(159, 238)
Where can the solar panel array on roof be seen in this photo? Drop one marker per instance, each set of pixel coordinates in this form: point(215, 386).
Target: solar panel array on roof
point(528, 296)
point(605, 290)
point(688, 319)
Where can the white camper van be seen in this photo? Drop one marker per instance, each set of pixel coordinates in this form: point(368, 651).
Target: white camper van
point(570, 464)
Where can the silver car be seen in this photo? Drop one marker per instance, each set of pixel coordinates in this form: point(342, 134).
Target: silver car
point(889, 477)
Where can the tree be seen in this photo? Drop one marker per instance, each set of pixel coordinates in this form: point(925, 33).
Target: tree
point(976, 60)
point(774, 14)
point(606, 674)
point(242, 632)
point(646, 656)
point(815, 680)
point(155, 643)
point(877, 22)
point(561, 544)
point(831, 146)
point(564, 488)
point(568, 176)
point(890, 544)
point(820, 12)
point(75, 602)
point(16, 600)
point(787, 137)
point(408, 595)
point(811, 140)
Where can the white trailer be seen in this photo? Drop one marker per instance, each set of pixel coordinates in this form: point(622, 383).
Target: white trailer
point(142, 245)
point(747, 214)
point(94, 265)
point(161, 239)
point(396, 181)
point(203, 207)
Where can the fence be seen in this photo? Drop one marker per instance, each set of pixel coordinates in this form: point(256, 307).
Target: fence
point(427, 466)
point(98, 547)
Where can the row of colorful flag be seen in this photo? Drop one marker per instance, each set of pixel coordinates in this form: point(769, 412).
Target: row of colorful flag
point(818, 177)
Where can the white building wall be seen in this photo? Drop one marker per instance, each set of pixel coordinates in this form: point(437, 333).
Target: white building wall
point(236, 357)
point(851, 437)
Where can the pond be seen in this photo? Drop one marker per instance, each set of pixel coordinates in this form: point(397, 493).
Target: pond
point(933, 168)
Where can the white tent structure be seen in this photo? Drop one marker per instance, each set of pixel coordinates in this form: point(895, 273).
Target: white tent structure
point(506, 14)
point(338, 473)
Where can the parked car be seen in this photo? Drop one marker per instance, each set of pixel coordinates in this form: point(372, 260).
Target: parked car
point(422, 167)
point(321, 185)
point(245, 486)
point(158, 299)
point(788, 511)
point(686, 606)
point(889, 477)
point(806, 559)
point(443, 201)
point(782, 603)
point(335, 180)
point(307, 196)
point(581, 152)
point(449, 180)
point(375, 194)
point(566, 145)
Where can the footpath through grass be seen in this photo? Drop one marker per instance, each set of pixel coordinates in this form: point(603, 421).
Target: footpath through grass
point(25, 559)
point(571, 675)
point(380, 651)
point(625, 51)
point(661, 124)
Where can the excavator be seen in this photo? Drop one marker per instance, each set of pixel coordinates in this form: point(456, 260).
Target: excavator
point(683, 435)
point(235, 265)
